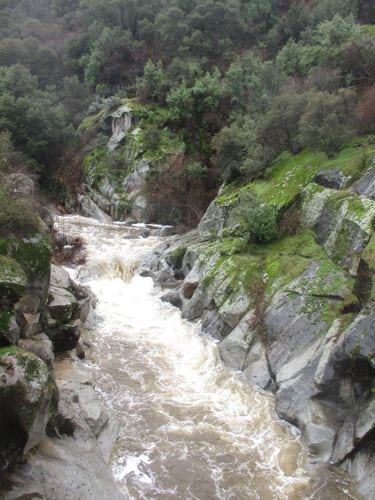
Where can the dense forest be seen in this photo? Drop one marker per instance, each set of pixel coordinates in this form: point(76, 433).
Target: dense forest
point(242, 81)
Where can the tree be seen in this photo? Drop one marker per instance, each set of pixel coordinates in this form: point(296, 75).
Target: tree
point(192, 102)
point(232, 146)
point(326, 123)
point(153, 83)
point(6, 149)
point(251, 84)
point(278, 128)
point(36, 119)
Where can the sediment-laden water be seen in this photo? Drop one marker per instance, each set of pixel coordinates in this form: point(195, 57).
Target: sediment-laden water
point(190, 428)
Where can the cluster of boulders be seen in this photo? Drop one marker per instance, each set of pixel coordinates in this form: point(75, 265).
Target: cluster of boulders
point(45, 319)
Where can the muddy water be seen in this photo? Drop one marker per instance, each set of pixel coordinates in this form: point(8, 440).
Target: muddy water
point(190, 429)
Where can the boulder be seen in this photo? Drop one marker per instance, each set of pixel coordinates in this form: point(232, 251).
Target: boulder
point(331, 178)
point(213, 325)
point(173, 298)
point(60, 278)
point(65, 336)
point(235, 307)
point(121, 123)
point(41, 346)
point(13, 280)
point(28, 400)
point(342, 222)
point(9, 330)
point(62, 304)
point(88, 208)
point(258, 374)
point(213, 221)
point(76, 464)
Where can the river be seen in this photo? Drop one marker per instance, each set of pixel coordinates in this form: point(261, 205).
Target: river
point(189, 428)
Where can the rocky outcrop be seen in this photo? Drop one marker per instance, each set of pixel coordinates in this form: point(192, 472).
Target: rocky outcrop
point(121, 123)
point(76, 464)
point(117, 171)
point(67, 308)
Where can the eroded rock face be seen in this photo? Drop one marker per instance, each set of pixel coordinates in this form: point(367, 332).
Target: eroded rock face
point(28, 400)
point(121, 122)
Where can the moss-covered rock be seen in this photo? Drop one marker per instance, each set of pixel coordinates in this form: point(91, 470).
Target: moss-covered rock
point(28, 400)
point(342, 221)
point(33, 253)
point(13, 279)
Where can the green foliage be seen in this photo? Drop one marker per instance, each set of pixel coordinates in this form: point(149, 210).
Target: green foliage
point(36, 119)
point(323, 46)
point(153, 81)
point(187, 102)
point(251, 84)
point(233, 146)
point(325, 124)
point(152, 137)
point(257, 220)
point(278, 128)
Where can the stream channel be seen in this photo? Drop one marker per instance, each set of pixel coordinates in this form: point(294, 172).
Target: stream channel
point(189, 428)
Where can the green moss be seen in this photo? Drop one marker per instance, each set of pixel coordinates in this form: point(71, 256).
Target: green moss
point(289, 174)
point(288, 258)
point(11, 274)
point(262, 270)
point(33, 254)
point(369, 29)
point(9, 350)
point(176, 257)
point(17, 216)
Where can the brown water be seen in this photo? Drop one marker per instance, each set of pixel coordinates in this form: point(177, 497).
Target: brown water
point(190, 428)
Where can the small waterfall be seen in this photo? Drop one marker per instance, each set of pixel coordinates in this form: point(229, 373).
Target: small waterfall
point(190, 428)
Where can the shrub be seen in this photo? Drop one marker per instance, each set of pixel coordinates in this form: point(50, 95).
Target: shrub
point(257, 220)
point(152, 137)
